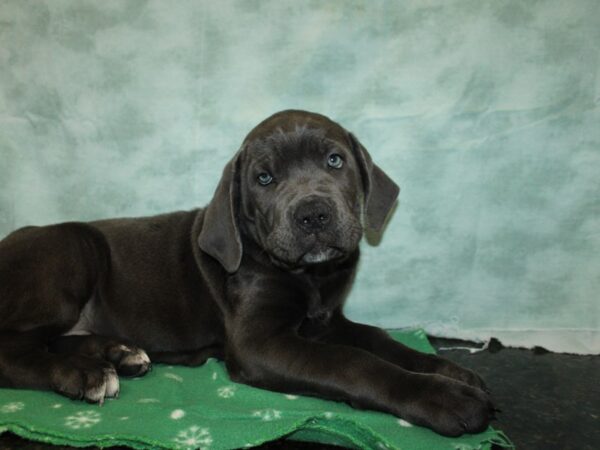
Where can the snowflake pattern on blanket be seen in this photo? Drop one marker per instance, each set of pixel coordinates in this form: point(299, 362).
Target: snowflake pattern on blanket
point(82, 419)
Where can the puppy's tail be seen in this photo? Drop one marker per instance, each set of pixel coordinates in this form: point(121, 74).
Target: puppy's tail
point(191, 358)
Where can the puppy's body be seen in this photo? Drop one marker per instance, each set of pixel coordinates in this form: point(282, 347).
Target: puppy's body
point(257, 278)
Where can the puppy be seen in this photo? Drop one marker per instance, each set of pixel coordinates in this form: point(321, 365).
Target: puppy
point(258, 278)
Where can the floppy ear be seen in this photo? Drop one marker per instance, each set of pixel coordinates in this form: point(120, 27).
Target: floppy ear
point(380, 191)
point(220, 236)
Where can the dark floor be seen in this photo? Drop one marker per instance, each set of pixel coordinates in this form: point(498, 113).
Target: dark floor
point(549, 401)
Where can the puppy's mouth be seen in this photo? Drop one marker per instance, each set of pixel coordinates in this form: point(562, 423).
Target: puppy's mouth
point(294, 253)
point(321, 253)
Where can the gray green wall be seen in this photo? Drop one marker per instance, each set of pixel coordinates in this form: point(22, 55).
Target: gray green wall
point(486, 112)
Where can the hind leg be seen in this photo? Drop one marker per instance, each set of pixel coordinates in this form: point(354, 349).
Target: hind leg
point(26, 363)
point(128, 360)
point(47, 274)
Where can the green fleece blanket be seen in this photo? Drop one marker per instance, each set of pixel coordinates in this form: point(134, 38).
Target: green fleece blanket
point(187, 408)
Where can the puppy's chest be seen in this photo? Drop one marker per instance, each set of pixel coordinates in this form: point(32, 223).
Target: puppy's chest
point(317, 316)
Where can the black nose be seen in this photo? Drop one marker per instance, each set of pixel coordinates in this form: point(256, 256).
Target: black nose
point(312, 215)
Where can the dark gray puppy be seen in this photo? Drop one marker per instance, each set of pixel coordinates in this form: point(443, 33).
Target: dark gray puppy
point(257, 278)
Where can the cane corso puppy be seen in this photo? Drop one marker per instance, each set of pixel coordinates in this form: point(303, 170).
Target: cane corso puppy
point(257, 278)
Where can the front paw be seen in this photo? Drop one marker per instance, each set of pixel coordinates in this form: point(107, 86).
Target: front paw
point(448, 407)
point(451, 370)
point(129, 361)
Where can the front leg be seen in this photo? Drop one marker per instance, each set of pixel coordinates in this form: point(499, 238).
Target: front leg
point(377, 341)
point(265, 351)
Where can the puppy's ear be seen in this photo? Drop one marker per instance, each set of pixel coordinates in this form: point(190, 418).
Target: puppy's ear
point(380, 191)
point(220, 236)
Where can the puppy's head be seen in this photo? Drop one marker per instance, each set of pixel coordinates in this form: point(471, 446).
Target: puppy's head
point(299, 187)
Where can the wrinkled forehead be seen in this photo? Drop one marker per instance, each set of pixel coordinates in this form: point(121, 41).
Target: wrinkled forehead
point(296, 145)
point(294, 135)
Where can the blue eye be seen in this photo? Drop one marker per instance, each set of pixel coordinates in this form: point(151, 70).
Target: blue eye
point(335, 161)
point(264, 178)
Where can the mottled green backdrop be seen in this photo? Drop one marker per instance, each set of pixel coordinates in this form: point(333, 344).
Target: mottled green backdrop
point(486, 112)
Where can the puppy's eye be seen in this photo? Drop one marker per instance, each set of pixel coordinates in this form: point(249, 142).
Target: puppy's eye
point(264, 178)
point(335, 161)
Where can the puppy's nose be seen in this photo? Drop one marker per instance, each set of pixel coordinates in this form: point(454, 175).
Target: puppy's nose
point(312, 215)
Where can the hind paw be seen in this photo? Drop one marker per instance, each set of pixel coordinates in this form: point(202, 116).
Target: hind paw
point(82, 378)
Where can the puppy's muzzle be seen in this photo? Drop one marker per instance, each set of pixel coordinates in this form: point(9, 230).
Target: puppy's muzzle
point(313, 215)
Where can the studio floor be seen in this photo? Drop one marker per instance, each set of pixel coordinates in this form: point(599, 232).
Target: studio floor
point(549, 401)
